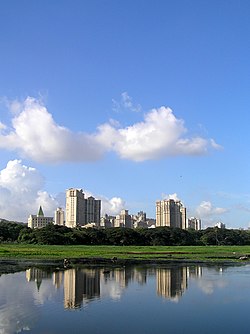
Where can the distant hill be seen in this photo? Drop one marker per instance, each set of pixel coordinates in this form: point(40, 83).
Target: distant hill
point(2, 220)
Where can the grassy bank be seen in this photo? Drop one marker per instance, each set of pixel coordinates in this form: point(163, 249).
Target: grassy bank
point(200, 253)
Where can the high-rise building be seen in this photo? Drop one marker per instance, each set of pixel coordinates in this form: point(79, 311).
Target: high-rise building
point(93, 210)
point(59, 216)
point(123, 220)
point(171, 213)
point(75, 208)
point(80, 210)
point(194, 223)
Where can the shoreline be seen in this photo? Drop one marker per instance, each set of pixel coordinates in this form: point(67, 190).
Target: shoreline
point(24, 255)
point(11, 265)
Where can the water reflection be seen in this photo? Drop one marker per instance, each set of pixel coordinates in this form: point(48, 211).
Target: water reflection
point(172, 282)
point(37, 275)
point(28, 299)
point(82, 285)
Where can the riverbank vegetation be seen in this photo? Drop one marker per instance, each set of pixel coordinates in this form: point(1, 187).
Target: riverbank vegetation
point(151, 253)
point(59, 242)
point(161, 236)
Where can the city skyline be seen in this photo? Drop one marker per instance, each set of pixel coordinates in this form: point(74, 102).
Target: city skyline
point(133, 102)
point(86, 212)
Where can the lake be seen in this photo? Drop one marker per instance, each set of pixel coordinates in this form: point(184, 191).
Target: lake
point(130, 299)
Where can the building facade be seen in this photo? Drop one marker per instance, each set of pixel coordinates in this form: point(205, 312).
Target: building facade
point(171, 213)
point(107, 221)
point(123, 220)
point(220, 225)
point(93, 211)
point(194, 223)
point(39, 220)
point(59, 216)
point(140, 220)
point(80, 210)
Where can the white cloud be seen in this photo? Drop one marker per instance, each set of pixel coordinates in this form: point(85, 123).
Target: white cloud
point(161, 134)
point(111, 206)
point(215, 145)
point(206, 209)
point(171, 196)
point(15, 106)
point(35, 135)
point(2, 126)
point(125, 103)
point(21, 194)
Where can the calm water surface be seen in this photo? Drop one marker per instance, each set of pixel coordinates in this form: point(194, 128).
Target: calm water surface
point(131, 299)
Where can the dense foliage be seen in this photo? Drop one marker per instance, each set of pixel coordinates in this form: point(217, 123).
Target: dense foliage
point(9, 231)
point(161, 236)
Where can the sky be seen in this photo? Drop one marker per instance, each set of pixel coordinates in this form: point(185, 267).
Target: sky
point(131, 101)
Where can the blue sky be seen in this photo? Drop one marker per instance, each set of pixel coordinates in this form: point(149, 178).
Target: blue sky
point(132, 101)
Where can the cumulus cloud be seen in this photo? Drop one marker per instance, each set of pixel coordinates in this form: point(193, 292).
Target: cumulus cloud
point(206, 209)
point(111, 206)
point(209, 214)
point(161, 134)
point(35, 135)
point(21, 194)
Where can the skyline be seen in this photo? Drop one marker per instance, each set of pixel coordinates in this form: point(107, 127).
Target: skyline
point(133, 102)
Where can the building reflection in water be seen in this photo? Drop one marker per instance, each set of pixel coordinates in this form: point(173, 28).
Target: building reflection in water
point(194, 271)
point(57, 279)
point(37, 275)
point(173, 282)
point(82, 285)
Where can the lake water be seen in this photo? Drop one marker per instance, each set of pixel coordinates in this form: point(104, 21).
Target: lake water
point(131, 299)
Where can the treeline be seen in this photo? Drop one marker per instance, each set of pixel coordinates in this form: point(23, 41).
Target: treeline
point(160, 236)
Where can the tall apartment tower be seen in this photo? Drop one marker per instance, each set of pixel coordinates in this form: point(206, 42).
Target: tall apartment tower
point(93, 210)
point(59, 216)
point(194, 223)
point(75, 208)
point(170, 213)
point(80, 210)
